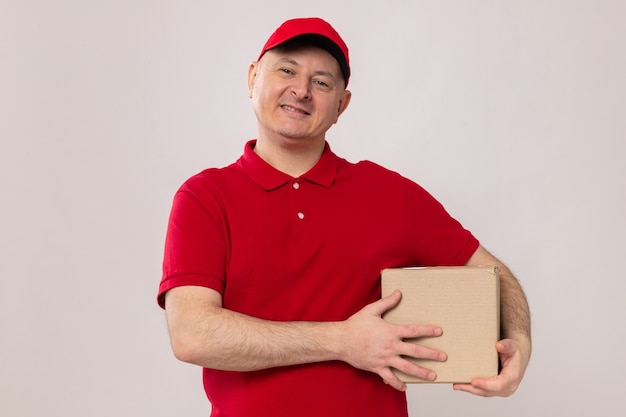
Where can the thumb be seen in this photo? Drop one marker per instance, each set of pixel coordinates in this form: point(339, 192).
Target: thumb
point(386, 303)
point(505, 346)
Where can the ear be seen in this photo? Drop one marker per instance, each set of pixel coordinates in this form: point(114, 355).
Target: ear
point(252, 74)
point(343, 103)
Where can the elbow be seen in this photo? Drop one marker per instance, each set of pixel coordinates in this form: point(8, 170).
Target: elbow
point(181, 350)
point(186, 348)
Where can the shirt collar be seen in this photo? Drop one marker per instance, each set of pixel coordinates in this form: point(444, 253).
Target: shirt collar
point(269, 178)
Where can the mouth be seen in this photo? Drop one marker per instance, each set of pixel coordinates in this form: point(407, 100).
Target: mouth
point(294, 109)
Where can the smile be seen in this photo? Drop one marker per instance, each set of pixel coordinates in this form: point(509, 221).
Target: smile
point(293, 109)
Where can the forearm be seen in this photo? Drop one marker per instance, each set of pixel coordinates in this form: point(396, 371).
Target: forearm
point(214, 337)
point(205, 334)
point(514, 310)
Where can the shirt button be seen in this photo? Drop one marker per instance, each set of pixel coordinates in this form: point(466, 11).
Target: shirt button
point(301, 215)
point(296, 185)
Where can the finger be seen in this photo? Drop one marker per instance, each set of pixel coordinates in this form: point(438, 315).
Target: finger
point(505, 346)
point(407, 367)
point(491, 387)
point(392, 380)
point(411, 331)
point(502, 385)
point(386, 303)
point(418, 351)
point(469, 388)
point(487, 385)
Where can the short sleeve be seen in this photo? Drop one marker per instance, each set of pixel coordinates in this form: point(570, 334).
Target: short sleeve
point(196, 243)
point(436, 237)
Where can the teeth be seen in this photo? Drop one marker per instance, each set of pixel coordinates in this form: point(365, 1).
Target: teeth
point(293, 109)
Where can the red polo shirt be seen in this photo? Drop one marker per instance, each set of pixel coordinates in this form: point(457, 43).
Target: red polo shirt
point(308, 248)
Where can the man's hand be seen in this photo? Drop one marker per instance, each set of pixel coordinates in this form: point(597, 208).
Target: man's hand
point(375, 345)
point(514, 361)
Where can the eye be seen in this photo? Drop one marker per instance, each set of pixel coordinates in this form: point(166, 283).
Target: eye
point(322, 84)
point(287, 71)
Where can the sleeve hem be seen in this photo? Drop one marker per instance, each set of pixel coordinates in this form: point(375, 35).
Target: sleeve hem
point(466, 252)
point(181, 280)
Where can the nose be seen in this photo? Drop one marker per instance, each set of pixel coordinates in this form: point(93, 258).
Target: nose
point(300, 89)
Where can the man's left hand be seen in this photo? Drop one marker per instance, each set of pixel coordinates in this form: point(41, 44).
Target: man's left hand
point(514, 357)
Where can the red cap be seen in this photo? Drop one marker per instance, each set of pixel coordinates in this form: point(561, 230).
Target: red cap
point(317, 32)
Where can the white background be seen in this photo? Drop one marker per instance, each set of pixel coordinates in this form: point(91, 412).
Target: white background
point(512, 113)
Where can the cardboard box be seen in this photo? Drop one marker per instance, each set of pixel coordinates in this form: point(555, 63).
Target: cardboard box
point(464, 302)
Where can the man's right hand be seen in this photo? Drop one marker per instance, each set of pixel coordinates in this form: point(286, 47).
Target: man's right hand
point(374, 345)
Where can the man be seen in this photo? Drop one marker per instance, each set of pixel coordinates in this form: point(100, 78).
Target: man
point(272, 265)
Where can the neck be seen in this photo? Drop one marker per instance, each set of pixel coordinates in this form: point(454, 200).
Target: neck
point(294, 158)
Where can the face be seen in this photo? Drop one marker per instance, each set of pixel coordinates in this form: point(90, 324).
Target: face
point(297, 93)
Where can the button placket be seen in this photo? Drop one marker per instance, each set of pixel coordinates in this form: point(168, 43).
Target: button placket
point(296, 187)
